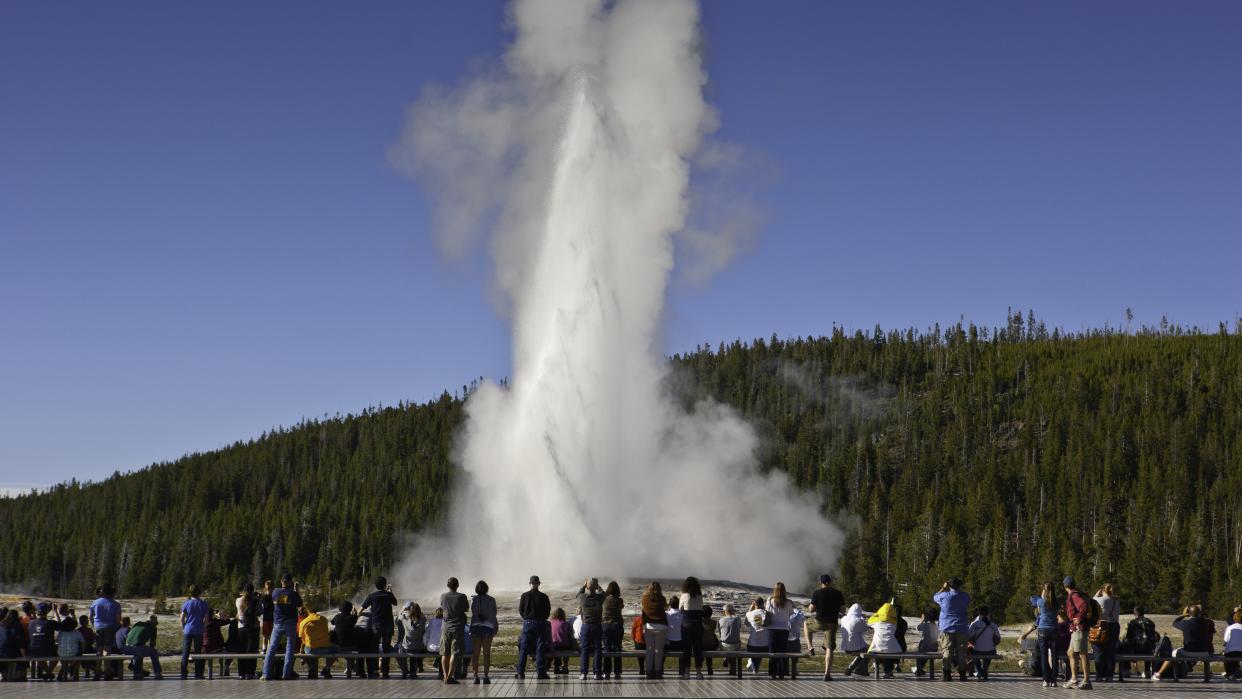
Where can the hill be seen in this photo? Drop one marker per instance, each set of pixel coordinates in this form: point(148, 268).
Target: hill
point(1012, 454)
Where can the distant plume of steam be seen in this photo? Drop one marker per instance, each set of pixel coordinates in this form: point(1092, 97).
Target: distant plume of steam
point(576, 156)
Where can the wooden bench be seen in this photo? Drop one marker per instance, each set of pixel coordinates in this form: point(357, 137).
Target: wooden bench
point(28, 661)
point(343, 655)
point(930, 656)
point(1158, 660)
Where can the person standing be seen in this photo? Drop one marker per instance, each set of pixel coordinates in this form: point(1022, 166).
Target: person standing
point(1110, 625)
point(452, 636)
point(612, 627)
point(268, 611)
point(1045, 604)
point(827, 603)
point(655, 630)
point(692, 624)
point(534, 607)
point(1078, 611)
point(382, 602)
point(285, 604)
point(248, 615)
point(483, 627)
point(779, 610)
point(106, 619)
point(194, 614)
point(591, 612)
point(954, 610)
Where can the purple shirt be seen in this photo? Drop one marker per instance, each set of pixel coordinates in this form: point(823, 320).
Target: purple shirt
point(196, 612)
point(105, 612)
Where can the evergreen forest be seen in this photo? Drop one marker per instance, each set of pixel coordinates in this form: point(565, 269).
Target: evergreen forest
point(1007, 455)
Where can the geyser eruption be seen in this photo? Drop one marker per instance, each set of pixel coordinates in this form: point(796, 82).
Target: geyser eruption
point(579, 156)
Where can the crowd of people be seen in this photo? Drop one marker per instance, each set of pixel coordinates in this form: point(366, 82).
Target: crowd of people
point(275, 621)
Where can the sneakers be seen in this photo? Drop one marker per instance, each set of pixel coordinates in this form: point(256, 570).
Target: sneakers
point(1085, 685)
point(487, 680)
point(582, 677)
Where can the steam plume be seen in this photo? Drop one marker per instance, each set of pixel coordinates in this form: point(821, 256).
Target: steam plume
point(577, 156)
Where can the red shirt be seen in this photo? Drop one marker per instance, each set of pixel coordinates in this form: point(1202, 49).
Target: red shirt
point(1076, 608)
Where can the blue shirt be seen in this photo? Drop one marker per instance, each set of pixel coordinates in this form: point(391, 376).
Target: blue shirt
point(286, 602)
point(121, 635)
point(954, 607)
point(195, 611)
point(1047, 619)
point(105, 613)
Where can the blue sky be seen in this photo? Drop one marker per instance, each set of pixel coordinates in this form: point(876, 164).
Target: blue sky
point(201, 237)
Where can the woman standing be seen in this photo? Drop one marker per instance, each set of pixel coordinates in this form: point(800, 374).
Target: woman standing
point(482, 630)
point(779, 608)
point(692, 623)
point(1046, 605)
point(267, 612)
point(247, 604)
point(1110, 624)
point(612, 627)
point(655, 630)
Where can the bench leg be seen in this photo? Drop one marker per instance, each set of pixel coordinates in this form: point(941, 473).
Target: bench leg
point(931, 669)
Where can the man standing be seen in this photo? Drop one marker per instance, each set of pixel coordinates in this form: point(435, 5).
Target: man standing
point(1078, 611)
point(381, 603)
point(591, 611)
point(106, 618)
point(453, 633)
point(534, 607)
point(954, 611)
point(285, 604)
point(826, 604)
point(194, 614)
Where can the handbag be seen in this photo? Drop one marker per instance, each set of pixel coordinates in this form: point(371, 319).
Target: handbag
point(1099, 634)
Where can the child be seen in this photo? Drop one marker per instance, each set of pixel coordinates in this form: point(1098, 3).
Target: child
point(69, 644)
point(88, 645)
point(562, 639)
point(929, 632)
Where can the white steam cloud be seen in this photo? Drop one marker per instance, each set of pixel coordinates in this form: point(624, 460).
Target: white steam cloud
point(576, 156)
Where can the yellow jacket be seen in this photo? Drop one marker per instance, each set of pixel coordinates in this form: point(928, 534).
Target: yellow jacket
point(887, 613)
point(313, 630)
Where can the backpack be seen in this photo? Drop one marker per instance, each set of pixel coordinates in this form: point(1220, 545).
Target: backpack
point(1143, 637)
point(636, 630)
point(1093, 612)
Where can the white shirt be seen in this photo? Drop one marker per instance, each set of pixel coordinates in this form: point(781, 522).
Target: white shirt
point(796, 622)
point(1233, 638)
point(578, 628)
point(779, 616)
point(674, 624)
point(758, 634)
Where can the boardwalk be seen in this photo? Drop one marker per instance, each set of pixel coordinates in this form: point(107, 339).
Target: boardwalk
point(1000, 687)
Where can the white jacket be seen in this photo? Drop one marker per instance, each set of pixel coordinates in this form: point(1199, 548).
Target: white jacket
point(854, 630)
point(884, 638)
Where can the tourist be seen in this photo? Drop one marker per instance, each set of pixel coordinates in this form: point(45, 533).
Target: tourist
point(88, 645)
point(854, 640)
point(710, 641)
point(285, 604)
point(675, 642)
point(757, 640)
point(954, 608)
point(562, 640)
point(729, 629)
point(640, 642)
point(884, 635)
point(1078, 611)
point(249, 609)
point(343, 624)
point(452, 641)
point(122, 633)
point(365, 641)
point(382, 602)
point(42, 634)
point(1233, 645)
point(984, 637)
point(316, 640)
point(435, 631)
point(929, 636)
point(779, 608)
point(105, 618)
point(69, 643)
point(193, 619)
point(483, 627)
point(140, 643)
point(827, 604)
point(655, 630)
point(14, 645)
point(268, 611)
point(611, 627)
point(534, 608)
point(411, 638)
point(1109, 624)
point(692, 624)
point(1139, 638)
point(591, 613)
point(1045, 604)
point(1197, 632)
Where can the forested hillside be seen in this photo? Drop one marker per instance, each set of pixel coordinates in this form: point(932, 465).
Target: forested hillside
point(1008, 456)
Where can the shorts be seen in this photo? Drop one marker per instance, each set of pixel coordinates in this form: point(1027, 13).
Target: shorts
point(452, 641)
point(1078, 641)
point(828, 628)
point(482, 632)
point(105, 638)
point(267, 629)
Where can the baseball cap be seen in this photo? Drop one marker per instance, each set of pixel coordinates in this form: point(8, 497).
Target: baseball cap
point(44, 608)
point(1068, 581)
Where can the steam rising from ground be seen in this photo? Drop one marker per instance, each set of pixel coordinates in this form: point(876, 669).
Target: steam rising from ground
point(577, 155)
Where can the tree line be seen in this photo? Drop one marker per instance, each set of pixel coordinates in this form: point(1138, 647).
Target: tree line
point(1006, 455)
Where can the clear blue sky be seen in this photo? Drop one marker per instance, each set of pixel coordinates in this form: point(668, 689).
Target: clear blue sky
point(201, 237)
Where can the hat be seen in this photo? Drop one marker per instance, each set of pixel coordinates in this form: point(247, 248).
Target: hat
point(1068, 581)
point(825, 578)
point(44, 608)
point(534, 580)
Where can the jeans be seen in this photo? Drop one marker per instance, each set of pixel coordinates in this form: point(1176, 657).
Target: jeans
point(1232, 667)
point(953, 650)
point(534, 641)
point(249, 644)
point(1105, 653)
point(777, 639)
point(312, 664)
point(385, 645)
point(692, 633)
point(755, 663)
point(592, 644)
point(612, 644)
point(191, 643)
point(981, 667)
point(1047, 643)
point(287, 629)
point(656, 636)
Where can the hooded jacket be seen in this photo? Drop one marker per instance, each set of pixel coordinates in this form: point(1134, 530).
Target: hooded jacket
point(853, 630)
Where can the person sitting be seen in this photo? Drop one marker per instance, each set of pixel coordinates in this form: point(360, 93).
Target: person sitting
point(884, 635)
point(69, 643)
point(316, 640)
point(411, 633)
point(757, 640)
point(729, 629)
point(366, 640)
point(42, 634)
point(929, 631)
point(14, 646)
point(1233, 645)
point(562, 640)
point(1139, 638)
point(1197, 632)
point(984, 636)
point(854, 639)
point(140, 643)
point(435, 630)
